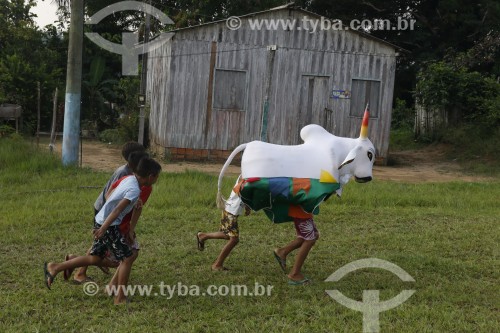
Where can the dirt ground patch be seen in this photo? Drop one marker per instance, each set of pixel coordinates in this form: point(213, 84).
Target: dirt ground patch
point(425, 165)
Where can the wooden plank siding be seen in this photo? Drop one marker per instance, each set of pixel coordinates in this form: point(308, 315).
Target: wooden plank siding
point(307, 67)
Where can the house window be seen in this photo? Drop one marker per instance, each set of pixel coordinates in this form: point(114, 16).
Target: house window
point(364, 92)
point(230, 90)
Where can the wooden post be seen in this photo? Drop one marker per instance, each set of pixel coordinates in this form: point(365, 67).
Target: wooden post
point(53, 130)
point(268, 82)
point(38, 116)
point(213, 58)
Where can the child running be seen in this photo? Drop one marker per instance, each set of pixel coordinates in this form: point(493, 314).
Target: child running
point(106, 231)
point(127, 228)
point(129, 149)
point(229, 229)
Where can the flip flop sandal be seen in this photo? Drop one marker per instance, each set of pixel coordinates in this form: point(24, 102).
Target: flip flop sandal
point(299, 283)
point(87, 279)
point(281, 262)
point(49, 279)
point(201, 245)
point(221, 269)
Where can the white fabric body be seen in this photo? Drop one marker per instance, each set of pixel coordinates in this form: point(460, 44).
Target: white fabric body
point(234, 205)
point(321, 150)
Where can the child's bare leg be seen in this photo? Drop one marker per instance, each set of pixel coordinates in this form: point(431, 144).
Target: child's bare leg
point(81, 273)
point(123, 275)
point(203, 236)
point(109, 263)
point(114, 279)
point(90, 260)
point(226, 250)
point(113, 284)
point(283, 252)
point(295, 273)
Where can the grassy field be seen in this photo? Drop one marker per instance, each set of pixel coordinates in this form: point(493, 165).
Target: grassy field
point(446, 236)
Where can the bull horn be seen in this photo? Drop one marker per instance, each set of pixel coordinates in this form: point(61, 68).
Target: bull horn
point(364, 124)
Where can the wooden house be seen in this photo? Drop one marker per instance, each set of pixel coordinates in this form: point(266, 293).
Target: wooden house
point(212, 87)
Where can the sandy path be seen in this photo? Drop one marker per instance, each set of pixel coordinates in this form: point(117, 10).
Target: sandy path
point(413, 166)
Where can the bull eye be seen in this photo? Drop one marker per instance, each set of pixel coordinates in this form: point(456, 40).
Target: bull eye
point(370, 155)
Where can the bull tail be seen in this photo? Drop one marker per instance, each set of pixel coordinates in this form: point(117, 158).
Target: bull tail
point(221, 201)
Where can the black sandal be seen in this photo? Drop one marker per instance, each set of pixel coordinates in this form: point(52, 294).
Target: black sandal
point(201, 245)
point(49, 279)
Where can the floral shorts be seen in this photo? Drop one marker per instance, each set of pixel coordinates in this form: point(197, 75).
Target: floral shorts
point(306, 228)
point(113, 241)
point(229, 224)
point(135, 246)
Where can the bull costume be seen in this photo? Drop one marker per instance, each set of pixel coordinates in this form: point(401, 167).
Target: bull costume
point(290, 182)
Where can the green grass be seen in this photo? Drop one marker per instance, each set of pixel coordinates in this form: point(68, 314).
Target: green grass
point(404, 139)
point(444, 235)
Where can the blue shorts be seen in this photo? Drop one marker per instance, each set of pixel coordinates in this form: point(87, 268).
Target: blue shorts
point(113, 241)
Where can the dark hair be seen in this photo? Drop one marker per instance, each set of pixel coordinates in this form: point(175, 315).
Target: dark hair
point(130, 147)
point(148, 166)
point(134, 158)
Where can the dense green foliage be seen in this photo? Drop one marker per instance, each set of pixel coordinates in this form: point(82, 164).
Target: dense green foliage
point(450, 60)
point(442, 28)
point(468, 97)
point(32, 56)
point(28, 57)
point(441, 234)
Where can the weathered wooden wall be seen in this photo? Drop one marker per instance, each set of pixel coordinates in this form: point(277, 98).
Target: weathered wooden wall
point(429, 121)
point(305, 69)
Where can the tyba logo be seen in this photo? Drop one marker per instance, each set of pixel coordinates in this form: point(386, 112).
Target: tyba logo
point(371, 305)
point(130, 47)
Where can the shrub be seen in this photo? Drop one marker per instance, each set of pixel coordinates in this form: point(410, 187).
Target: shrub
point(112, 136)
point(6, 130)
point(468, 97)
point(403, 117)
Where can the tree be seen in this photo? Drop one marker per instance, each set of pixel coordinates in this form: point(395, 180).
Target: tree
point(466, 96)
point(98, 95)
point(441, 27)
point(28, 56)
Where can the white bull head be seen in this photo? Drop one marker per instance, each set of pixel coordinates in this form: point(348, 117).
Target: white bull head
point(359, 161)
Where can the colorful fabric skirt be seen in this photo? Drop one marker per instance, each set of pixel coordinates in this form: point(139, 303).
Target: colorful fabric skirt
point(284, 198)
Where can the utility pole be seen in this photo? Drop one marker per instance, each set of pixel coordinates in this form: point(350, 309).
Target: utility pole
point(269, 78)
point(71, 131)
point(144, 76)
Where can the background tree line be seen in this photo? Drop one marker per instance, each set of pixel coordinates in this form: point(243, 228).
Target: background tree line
point(449, 61)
